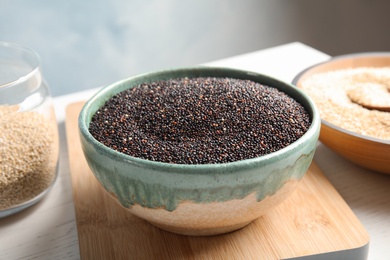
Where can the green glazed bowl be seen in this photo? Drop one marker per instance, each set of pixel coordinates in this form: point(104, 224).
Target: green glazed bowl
point(205, 199)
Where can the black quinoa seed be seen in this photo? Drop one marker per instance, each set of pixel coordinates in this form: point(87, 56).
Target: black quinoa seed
point(199, 121)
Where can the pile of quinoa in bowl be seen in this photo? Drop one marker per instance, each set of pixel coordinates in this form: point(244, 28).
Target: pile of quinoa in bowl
point(199, 151)
point(199, 120)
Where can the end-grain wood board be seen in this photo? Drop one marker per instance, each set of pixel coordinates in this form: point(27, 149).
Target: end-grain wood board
point(313, 223)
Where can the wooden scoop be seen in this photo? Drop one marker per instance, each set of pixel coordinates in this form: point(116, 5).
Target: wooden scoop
point(371, 96)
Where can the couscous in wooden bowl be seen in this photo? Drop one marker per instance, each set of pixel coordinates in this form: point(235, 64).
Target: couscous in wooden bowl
point(355, 118)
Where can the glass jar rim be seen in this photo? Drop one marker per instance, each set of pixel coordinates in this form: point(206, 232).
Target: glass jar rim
point(17, 51)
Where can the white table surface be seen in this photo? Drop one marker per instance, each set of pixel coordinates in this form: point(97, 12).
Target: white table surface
point(48, 229)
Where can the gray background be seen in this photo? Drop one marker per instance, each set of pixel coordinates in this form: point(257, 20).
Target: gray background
point(86, 44)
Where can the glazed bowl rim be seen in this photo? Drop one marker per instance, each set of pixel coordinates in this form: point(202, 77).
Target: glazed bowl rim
point(112, 89)
point(334, 59)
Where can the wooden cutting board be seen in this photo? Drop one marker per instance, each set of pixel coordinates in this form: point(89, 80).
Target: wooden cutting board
point(313, 223)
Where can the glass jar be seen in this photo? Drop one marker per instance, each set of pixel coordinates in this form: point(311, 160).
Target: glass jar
point(29, 145)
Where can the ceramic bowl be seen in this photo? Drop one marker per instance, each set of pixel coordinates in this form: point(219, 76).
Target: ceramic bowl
point(368, 152)
point(205, 199)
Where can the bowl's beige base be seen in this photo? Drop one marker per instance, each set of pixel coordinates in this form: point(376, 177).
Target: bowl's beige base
point(206, 219)
point(201, 232)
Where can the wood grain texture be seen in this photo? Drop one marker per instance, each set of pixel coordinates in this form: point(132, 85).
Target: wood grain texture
point(314, 220)
point(365, 152)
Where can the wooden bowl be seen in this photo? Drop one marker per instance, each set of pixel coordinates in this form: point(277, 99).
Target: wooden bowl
point(368, 152)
